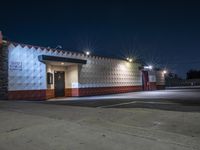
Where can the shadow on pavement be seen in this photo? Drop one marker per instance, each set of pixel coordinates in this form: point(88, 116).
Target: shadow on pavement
point(162, 104)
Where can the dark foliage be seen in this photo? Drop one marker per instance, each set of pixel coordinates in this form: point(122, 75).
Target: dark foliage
point(193, 74)
point(172, 76)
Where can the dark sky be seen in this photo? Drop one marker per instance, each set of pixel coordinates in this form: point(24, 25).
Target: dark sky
point(163, 33)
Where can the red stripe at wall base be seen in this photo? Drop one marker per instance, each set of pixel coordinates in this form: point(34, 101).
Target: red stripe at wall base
point(27, 95)
point(152, 86)
point(160, 87)
point(49, 93)
point(108, 90)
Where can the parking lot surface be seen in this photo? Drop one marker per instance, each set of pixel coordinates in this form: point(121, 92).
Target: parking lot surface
point(168, 119)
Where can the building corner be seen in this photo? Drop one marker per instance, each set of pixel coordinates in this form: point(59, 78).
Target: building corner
point(4, 68)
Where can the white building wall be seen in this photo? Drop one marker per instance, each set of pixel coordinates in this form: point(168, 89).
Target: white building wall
point(160, 78)
point(25, 71)
point(72, 77)
point(105, 72)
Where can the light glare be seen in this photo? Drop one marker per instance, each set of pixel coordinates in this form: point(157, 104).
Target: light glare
point(150, 67)
point(129, 59)
point(87, 53)
point(164, 71)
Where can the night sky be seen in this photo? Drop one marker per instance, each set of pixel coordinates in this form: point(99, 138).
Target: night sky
point(163, 33)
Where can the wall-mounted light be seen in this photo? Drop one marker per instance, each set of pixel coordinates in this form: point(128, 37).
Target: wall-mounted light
point(164, 71)
point(129, 59)
point(62, 63)
point(87, 53)
point(148, 67)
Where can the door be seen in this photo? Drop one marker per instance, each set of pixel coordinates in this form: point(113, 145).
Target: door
point(59, 83)
point(145, 80)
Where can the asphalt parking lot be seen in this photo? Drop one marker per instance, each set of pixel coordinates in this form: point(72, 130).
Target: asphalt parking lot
point(156, 120)
point(175, 100)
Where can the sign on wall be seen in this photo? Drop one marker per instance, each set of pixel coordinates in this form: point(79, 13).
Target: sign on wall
point(15, 65)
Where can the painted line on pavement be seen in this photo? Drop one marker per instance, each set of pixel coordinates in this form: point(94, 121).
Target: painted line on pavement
point(121, 104)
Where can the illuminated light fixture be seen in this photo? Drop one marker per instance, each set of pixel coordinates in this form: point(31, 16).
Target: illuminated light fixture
point(62, 63)
point(164, 71)
point(148, 67)
point(87, 53)
point(129, 59)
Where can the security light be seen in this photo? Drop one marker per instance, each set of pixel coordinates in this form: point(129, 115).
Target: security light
point(129, 59)
point(164, 71)
point(150, 67)
point(87, 53)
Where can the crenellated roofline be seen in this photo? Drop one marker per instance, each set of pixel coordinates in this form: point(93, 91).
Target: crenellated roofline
point(64, 51)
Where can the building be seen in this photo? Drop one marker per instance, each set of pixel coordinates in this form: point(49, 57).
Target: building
point(38, 73)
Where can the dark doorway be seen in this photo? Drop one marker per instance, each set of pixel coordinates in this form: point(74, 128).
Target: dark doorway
point(145, 80)
point(59, 83)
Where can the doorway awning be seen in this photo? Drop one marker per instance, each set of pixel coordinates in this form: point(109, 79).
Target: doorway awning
point(44, 58)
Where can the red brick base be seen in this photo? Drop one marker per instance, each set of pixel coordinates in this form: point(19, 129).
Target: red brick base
point(68, 92)
point(27, 95)
point(71, 92)
point(47, 94)
point(160, 87)
point(108, 90)
point(50, 93)
point(152, 86)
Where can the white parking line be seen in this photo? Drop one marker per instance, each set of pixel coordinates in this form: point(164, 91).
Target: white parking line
point(121, 104)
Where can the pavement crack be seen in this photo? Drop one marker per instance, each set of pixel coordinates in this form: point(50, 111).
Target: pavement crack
point(12, 130)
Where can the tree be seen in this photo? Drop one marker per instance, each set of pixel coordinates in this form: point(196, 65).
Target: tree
point(172, 76)
point(193, 74)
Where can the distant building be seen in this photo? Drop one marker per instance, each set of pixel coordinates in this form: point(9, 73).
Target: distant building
point(38, 73)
